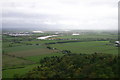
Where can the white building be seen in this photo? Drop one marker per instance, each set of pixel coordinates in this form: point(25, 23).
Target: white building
point(37, 31)
point(75, 34)
point(45, 37)
point(117, 43)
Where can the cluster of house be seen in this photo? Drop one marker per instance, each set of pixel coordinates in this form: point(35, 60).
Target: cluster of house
point(21, 33)
point(17, 34)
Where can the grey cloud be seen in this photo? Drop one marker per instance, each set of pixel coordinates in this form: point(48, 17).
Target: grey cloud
point(25, 15)
point(64, 14)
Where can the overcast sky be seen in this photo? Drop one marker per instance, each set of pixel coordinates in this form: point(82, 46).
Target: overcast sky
point(60, 14)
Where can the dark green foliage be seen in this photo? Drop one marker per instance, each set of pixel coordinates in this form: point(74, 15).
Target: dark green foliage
point(95, 65)
point(49, 47)
point(65, 51)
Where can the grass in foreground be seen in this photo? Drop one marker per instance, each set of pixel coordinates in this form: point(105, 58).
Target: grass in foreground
point(9, 73)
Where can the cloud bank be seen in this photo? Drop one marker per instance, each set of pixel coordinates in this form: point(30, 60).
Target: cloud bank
point(60, 14)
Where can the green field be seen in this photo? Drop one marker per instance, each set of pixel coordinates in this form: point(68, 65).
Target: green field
point(88, 47)
point(13, 53)
point(38, 58)
point(11, 61)
point(32, 52)
point(21, 48)
point(16, 63)
point(9, 73)
point(93, 36)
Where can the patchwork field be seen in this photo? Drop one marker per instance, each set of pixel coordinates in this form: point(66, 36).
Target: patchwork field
point(14, 53)
point(22, 54)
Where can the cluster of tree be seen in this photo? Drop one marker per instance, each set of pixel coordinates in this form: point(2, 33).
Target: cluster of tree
point(51, 48)
point(76, 66)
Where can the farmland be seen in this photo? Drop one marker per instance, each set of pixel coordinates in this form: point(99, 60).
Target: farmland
point(90, 36)
point(23, 53)
point(88, 47)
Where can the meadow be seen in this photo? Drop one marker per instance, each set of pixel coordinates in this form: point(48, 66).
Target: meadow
point(88, 47)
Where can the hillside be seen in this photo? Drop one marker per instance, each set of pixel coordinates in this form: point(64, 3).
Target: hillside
point(75, 66)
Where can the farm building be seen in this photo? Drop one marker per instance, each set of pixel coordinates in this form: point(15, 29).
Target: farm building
point(37, 31)
point(45, 37)
point(75, 34)
point(19, 34)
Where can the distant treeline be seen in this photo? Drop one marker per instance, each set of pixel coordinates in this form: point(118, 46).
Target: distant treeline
point(62, 42)
point(85, 40)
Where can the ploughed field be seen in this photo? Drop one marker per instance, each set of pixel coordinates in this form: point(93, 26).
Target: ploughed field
point(21, 54)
